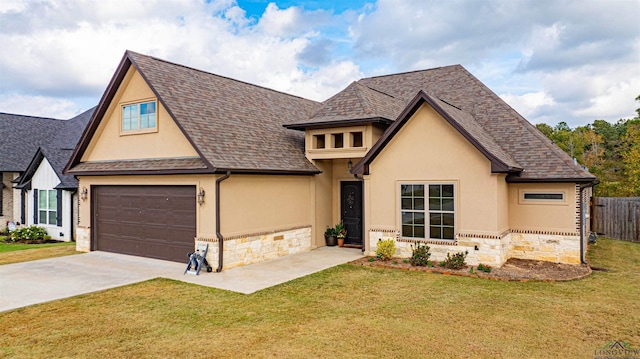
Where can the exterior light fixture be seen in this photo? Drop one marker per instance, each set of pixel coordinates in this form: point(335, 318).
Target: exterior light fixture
point(349, 165)
point(84, 193)
point(201, 196)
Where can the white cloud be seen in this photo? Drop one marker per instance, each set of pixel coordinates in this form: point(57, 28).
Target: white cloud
point(40, 106)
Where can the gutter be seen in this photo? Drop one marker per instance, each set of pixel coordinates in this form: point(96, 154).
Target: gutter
point(218, 234)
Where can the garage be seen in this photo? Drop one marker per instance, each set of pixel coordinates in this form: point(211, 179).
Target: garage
point(148, 221)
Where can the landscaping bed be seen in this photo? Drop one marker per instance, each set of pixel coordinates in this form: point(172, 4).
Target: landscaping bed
point(513, 270)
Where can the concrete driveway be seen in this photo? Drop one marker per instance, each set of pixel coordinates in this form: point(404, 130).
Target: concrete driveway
point(28, 283)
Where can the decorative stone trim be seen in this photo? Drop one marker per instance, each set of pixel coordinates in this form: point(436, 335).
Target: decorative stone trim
point(428, 241)
point(484, 236)
point(383, 230)
point(550, 233)
point(246, 235)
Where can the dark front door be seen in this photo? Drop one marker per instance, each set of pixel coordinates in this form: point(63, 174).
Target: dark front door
point(351, 211)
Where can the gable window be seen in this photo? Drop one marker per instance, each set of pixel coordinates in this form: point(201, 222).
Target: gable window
point(356, 139)
point(139, 116)
point(436, 219)
point(47, 207)
point(338, 140)
point(318, 141)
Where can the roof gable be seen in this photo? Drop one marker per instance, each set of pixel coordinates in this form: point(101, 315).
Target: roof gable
point(58, 151)
point(461, 121)
point(540, 159)
point(232, 125)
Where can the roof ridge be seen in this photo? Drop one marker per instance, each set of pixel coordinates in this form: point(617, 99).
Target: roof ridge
point(413, 71)
point(219, 76)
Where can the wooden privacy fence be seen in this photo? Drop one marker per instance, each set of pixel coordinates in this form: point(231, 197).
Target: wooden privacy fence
point(616, 217)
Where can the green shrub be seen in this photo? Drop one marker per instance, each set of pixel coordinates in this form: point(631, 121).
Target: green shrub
point(485, 268)
point(420, 255)
point(31, 233)
point(386, 249)
point(455, 261)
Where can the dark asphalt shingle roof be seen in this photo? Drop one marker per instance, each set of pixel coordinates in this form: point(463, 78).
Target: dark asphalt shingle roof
point(356, 102)
point(58, 150)
point(488, 118)
point(21, 136)
point(234, 125)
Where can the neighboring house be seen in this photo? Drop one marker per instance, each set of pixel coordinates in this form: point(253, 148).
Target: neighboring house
point(175, 156)
point(20, 137)
point(50, 198)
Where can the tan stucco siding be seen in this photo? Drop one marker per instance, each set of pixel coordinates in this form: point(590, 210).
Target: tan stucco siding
point(543, 215)
point(322, 203)
point(110, 143)
point(428, 149)
point(255, 204)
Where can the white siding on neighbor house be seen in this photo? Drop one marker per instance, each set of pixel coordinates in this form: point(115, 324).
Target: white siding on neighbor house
point(45, 178)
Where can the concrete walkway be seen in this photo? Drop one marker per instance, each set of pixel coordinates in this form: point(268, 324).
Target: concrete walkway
point(28, 283)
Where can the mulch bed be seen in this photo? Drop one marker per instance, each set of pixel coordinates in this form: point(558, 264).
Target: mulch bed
point(37, 241)
point(522, 270)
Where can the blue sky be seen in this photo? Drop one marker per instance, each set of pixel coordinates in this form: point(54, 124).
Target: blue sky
point(551, 60)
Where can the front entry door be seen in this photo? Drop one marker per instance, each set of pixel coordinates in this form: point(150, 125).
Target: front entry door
point(351, 211)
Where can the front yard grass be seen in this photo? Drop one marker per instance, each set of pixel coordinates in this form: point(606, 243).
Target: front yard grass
point(344, 312)
point(20, 252)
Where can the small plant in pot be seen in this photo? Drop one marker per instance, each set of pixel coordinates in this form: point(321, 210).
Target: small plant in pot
point(341, 232)
point(330, 236)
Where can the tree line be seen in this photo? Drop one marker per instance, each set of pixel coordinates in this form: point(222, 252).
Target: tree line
point(611, 152)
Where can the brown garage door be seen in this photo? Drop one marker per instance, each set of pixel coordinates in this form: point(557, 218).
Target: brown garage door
point(149, 221)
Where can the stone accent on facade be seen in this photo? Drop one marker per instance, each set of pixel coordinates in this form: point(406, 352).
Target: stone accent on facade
point(252, 248)
point(83, 239)
point(558, 248)
point(7, 193)
point(492, 249)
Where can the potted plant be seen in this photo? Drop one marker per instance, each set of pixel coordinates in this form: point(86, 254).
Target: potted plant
point(341, 232)
point(330, 236)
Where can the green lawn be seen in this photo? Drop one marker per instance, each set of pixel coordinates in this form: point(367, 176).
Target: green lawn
point(344, 312)
point(20, 252)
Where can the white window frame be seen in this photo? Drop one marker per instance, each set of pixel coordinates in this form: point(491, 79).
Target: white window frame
point(50, 211)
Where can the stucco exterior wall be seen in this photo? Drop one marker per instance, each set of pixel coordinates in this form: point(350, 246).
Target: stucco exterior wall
point(110, 143)
point(251, 203)
point(322, 202)
point(429, 150)
point(550, 216)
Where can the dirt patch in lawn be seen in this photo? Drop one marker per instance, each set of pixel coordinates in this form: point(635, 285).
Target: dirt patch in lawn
point(513, 270)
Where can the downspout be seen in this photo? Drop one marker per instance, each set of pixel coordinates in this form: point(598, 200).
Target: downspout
point(364, 243)
point(72, 233)
point(582, 219)
point(218, 234)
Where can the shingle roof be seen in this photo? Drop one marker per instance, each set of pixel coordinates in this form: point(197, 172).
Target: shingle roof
point(141, 166)
point(58, 149)
point(356, 103)
point(232, 125)
point(511, 133)
point(21, 137)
